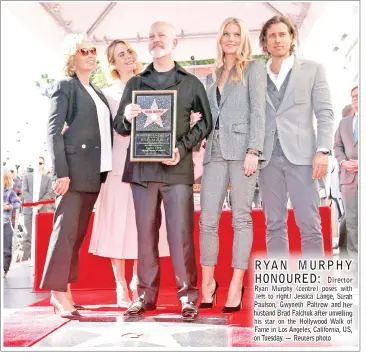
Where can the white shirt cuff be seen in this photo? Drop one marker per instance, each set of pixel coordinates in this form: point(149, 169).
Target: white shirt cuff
point(322, 150)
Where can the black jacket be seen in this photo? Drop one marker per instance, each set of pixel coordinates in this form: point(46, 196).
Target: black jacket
point(75, 153)
point(191, 96)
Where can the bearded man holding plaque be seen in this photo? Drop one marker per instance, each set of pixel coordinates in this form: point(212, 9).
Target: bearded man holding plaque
point(155, 109)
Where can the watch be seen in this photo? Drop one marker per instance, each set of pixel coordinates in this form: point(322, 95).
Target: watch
point(254, 152)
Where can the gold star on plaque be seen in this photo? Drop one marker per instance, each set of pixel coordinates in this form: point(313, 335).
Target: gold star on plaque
point(153, 115)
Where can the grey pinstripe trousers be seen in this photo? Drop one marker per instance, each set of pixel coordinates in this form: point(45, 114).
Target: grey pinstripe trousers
point(217, 175)
point(277, 179)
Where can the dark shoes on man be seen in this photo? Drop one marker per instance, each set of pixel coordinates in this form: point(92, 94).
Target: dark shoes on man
point(189, 311)
point(138, 307)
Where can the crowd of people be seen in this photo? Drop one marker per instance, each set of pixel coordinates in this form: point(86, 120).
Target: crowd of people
point(256, 122)
point(32, 185)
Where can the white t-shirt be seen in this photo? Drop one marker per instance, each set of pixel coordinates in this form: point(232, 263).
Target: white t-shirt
point(286, 66)
point(105, 130)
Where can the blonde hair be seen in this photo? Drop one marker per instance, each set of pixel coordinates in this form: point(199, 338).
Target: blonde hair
point(243, 54)
point(8, 180)
point(111, 60)
point(71, 45)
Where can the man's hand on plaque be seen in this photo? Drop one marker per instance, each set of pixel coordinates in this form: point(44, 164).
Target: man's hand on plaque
point(176, 158)
point(132, 111)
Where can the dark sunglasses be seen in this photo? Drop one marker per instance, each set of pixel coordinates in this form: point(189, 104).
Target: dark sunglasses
point(40, 163)
point(85, 51)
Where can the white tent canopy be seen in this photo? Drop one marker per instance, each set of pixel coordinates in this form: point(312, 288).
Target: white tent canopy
point(196, 22)
point(33, 34)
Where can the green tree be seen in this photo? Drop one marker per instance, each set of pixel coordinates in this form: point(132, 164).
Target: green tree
point(212, 61)
point(265, 58)
point(44, 85)
point(98, 77)
point(196, 62)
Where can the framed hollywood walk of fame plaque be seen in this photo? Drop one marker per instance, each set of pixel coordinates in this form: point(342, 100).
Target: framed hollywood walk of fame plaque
point(153, 131)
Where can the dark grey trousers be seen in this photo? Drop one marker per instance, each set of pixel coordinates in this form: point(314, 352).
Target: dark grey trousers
point(178, 204)
point(8, 245)
point(70, 225)
point(27, 237)
point(277, 179)
point(350, 201)
point(342, 239)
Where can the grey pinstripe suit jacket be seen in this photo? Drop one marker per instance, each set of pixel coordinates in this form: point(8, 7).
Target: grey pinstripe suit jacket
point(242, 113)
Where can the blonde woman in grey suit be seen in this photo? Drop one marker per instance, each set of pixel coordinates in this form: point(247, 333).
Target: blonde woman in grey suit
point(237, 96)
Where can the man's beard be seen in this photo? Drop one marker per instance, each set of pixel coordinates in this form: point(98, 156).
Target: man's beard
point(158, 52)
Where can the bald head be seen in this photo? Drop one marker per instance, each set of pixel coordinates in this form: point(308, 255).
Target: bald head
point(162, 39)
point(164, 26)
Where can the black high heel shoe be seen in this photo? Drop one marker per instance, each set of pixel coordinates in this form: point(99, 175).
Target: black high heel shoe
point(78, 306)
point(234, 309)
point(69, 315)
point(214, 299)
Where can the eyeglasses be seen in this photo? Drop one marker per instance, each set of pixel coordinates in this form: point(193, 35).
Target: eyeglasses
point(85, 51)
point(40, 163)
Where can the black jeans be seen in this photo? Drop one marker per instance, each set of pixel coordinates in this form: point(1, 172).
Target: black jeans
point(70, 225)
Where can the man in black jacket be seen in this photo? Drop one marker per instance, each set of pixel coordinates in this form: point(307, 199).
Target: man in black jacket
point(170, 181)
